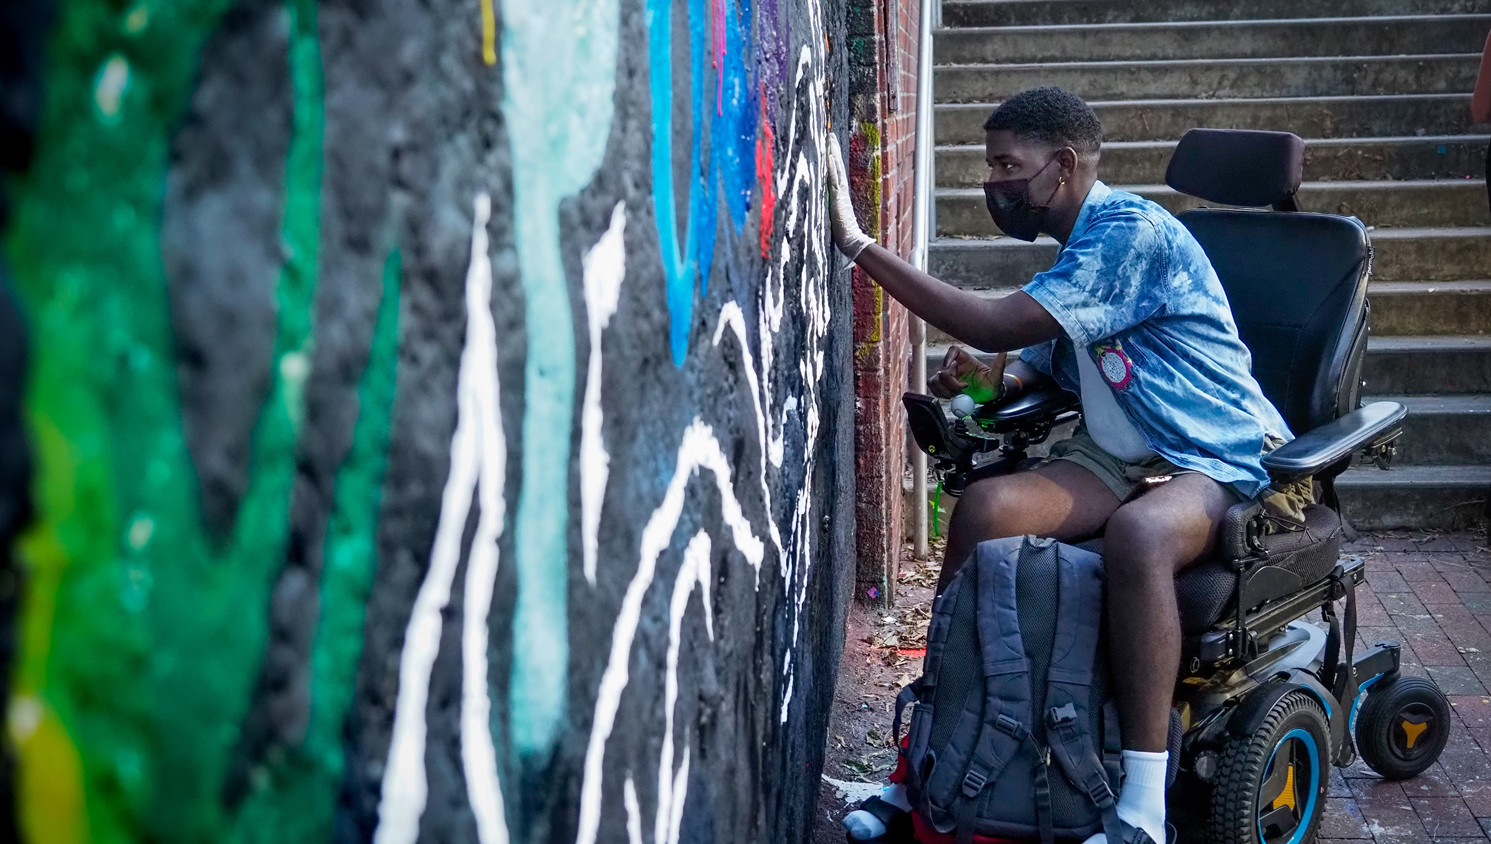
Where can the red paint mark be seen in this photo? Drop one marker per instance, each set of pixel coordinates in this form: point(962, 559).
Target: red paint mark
point(912, 651)
point(766, 142)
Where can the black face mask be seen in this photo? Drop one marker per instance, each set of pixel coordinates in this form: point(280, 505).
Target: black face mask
point(1010, 206)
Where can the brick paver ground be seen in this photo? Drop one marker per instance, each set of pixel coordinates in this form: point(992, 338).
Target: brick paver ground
point(1432, 593)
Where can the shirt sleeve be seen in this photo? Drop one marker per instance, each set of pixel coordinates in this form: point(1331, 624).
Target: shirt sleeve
point(1039, 356)
point(1114, 276)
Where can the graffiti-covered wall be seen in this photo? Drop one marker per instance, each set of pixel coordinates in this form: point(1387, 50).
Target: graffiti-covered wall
point(442, 420)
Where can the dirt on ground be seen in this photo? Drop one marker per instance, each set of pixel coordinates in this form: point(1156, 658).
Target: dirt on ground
point(883, 651)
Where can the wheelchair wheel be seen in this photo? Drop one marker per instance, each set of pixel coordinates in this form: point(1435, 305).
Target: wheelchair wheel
point(1270, 786)
point(1402, 727)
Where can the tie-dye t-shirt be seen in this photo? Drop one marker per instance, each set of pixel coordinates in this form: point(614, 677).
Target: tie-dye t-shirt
point(1134, 290)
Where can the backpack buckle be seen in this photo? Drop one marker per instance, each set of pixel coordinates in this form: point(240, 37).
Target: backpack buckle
point(1059, 716)
point(973, 782)
point(1101, 793)
point(1010, 726)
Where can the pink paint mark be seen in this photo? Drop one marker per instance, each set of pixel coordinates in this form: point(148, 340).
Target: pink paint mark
point(719, 56)
point(766, 142)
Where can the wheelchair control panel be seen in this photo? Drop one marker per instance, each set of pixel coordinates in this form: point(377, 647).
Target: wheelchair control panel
point(994, 439)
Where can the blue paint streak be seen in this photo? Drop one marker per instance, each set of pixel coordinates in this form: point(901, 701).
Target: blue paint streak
point(734, 130)
point(731, 166)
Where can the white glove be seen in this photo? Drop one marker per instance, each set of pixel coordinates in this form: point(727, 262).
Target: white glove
point(848, 236)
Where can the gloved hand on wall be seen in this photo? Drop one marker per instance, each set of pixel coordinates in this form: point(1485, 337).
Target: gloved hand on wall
point(848, 236)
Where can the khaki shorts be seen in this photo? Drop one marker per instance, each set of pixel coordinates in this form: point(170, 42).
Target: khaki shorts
point(1124, 479)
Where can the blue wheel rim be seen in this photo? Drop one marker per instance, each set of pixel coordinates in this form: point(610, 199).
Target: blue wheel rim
point(1312, 754)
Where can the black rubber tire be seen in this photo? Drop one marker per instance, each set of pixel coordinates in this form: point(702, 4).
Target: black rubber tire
point(1297, 725)
point(1381, 739)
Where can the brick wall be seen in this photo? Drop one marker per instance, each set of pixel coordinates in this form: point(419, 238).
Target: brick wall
point(883, 64)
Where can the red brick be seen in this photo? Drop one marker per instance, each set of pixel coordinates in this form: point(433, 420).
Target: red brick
point(1437, 592)
point(1446, 817)
point(1342, 819)
point(1418, 571)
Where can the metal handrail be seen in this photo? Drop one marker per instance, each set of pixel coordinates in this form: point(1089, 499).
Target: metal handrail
point(921, 213)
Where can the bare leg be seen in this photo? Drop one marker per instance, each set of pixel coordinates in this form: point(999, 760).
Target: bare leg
point(1060, 499)
point(1149, 541)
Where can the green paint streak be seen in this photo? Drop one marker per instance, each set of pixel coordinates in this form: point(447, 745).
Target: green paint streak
point(154, 635)
point(559, 75)
point(300, 793)
point(223, 601)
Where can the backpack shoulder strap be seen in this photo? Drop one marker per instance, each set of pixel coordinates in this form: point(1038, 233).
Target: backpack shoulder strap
point(1006, 716)
point(1069, 680)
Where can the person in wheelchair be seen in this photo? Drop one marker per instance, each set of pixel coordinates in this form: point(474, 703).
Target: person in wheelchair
point(1133, 318)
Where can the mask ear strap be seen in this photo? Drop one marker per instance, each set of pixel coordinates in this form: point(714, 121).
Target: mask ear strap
point(1060, 180)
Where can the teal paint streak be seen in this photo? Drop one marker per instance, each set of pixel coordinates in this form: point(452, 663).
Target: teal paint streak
point(559, 76)
point(351, 553)
point(217, 613)
point(297, 801)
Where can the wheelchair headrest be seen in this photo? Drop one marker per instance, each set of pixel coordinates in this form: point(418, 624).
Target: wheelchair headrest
point(1238, 167)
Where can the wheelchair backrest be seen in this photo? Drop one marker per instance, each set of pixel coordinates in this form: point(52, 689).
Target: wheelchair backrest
point(1297, 282)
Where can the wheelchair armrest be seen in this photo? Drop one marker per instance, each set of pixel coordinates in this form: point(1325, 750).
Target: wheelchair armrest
point(1314, 450)
point(1042, 399)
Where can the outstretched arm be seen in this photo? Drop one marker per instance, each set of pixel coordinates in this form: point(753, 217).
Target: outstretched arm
point(990, 325)
point(999, 325)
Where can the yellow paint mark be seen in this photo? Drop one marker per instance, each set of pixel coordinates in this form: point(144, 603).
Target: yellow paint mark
point(1413, 731)
point(137, 19)
point(1286, 797)
point(488, 33)
point(50, 777)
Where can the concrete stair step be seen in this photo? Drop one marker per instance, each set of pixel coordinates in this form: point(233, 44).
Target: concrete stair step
point(1444, 430)
point(1326, 160)
point(1430, 307)
point(962, 211)
point(1362, 36)
point(1446, 496)
point(989, 263)
point(1060, 12)
point(1215, 78)
point(1424, 365)
point(1309, 117)
point(1431, 254)
point(1408, 254)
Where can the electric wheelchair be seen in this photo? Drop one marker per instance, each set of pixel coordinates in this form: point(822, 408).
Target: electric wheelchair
point(1266, 699)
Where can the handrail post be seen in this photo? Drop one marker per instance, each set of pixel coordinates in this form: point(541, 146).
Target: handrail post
point(921, 222)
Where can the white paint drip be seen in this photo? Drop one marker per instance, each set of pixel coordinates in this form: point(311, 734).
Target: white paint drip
point(633, 812)
point(675, 820)
point(605, 268)
point(700, 450)
point(478, 457)
point(479, 377)
point(732, 318)
point(694, 571)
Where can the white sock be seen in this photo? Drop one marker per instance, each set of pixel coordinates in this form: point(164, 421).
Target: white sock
point(1142, 803)
point(862, 825)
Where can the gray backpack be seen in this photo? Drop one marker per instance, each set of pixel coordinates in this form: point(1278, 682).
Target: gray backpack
point(1012, 734)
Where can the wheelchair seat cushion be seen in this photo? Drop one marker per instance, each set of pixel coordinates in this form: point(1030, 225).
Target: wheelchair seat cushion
point(1205, 591)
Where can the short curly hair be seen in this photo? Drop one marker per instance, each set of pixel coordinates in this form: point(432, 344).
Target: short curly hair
point(1049, 115)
